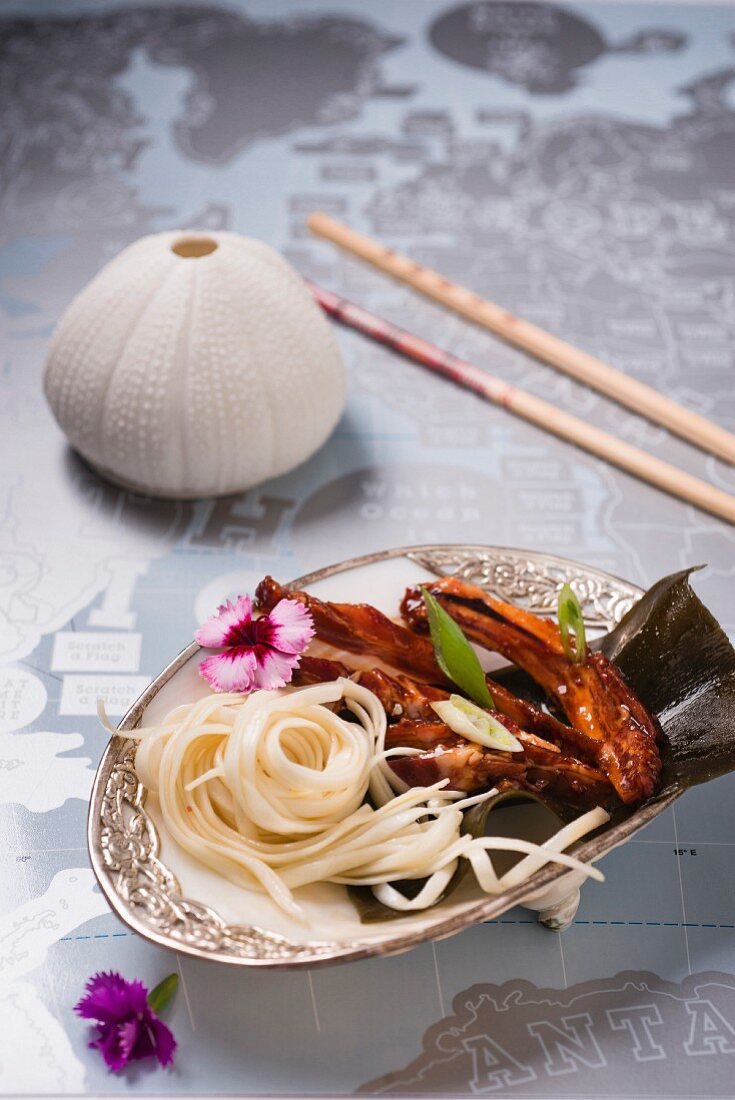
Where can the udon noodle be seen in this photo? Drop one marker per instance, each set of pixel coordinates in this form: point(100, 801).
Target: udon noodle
point(279, 789)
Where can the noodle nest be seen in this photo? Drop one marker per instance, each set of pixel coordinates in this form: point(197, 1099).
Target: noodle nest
point(279, 789)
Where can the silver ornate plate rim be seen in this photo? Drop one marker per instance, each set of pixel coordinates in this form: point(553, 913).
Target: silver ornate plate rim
point(123, 843)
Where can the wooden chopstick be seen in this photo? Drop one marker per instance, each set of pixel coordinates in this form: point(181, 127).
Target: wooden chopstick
point(579, 364)
point(535, 409)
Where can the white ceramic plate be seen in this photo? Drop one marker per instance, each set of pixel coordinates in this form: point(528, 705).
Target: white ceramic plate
point(171, 899)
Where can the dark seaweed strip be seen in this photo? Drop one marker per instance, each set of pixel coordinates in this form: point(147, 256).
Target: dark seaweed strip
point(679, 662)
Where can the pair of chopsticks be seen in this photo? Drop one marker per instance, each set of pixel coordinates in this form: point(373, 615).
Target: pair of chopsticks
point(585, 368)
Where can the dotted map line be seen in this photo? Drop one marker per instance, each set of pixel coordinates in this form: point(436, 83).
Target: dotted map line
point(624, 923)
point(97, 936)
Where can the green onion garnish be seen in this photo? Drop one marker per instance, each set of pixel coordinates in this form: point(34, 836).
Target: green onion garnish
point(454, 654)
point(570, 620)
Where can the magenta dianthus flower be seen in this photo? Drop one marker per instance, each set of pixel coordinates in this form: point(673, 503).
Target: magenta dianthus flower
point(129, 1028)
point(257, 653)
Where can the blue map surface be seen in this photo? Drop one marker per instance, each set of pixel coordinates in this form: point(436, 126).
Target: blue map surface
point(575, 163)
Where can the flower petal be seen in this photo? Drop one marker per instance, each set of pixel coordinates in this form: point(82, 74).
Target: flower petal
point(111, 999)
point(233, 670)
point(163, 1041)
point(109, 1044)
point(135, 1041)
point(147, 1037)
point(274, 669)
point(226, 627)
point(289, 627)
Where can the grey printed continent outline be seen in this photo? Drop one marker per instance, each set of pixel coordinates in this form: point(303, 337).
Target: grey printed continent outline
point(521, 1040)
point(540, 47)
point(72, 134)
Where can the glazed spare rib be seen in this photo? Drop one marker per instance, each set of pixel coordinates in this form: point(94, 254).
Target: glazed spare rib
point(592, 693)
point(362, 629)
point(582, 763)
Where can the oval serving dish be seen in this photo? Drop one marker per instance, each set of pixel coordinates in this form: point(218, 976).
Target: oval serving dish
point(169, 898)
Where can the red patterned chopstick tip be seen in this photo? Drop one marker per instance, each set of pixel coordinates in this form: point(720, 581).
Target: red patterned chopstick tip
point(414, 347)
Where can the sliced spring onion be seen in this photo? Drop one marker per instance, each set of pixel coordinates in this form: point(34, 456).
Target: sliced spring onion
point(571, 620)
point(454, 654)
point(475, 724)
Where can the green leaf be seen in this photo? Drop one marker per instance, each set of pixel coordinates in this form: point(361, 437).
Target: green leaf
point(159, 997)
point(454, 654)
point(570, 619)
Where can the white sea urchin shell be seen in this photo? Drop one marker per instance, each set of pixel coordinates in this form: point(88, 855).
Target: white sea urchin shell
point(195, 364)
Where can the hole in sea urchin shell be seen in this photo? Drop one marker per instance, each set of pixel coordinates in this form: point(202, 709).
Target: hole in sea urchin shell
point(191, 247)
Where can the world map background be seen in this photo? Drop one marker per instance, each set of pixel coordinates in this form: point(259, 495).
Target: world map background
point(576, 165)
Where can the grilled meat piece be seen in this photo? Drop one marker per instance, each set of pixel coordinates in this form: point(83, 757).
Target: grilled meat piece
point(470, 767)
point(401, 696)
point(318, 670)
point(535, 720)
point(358, 628)
point(592, 694)
point(611, 730)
